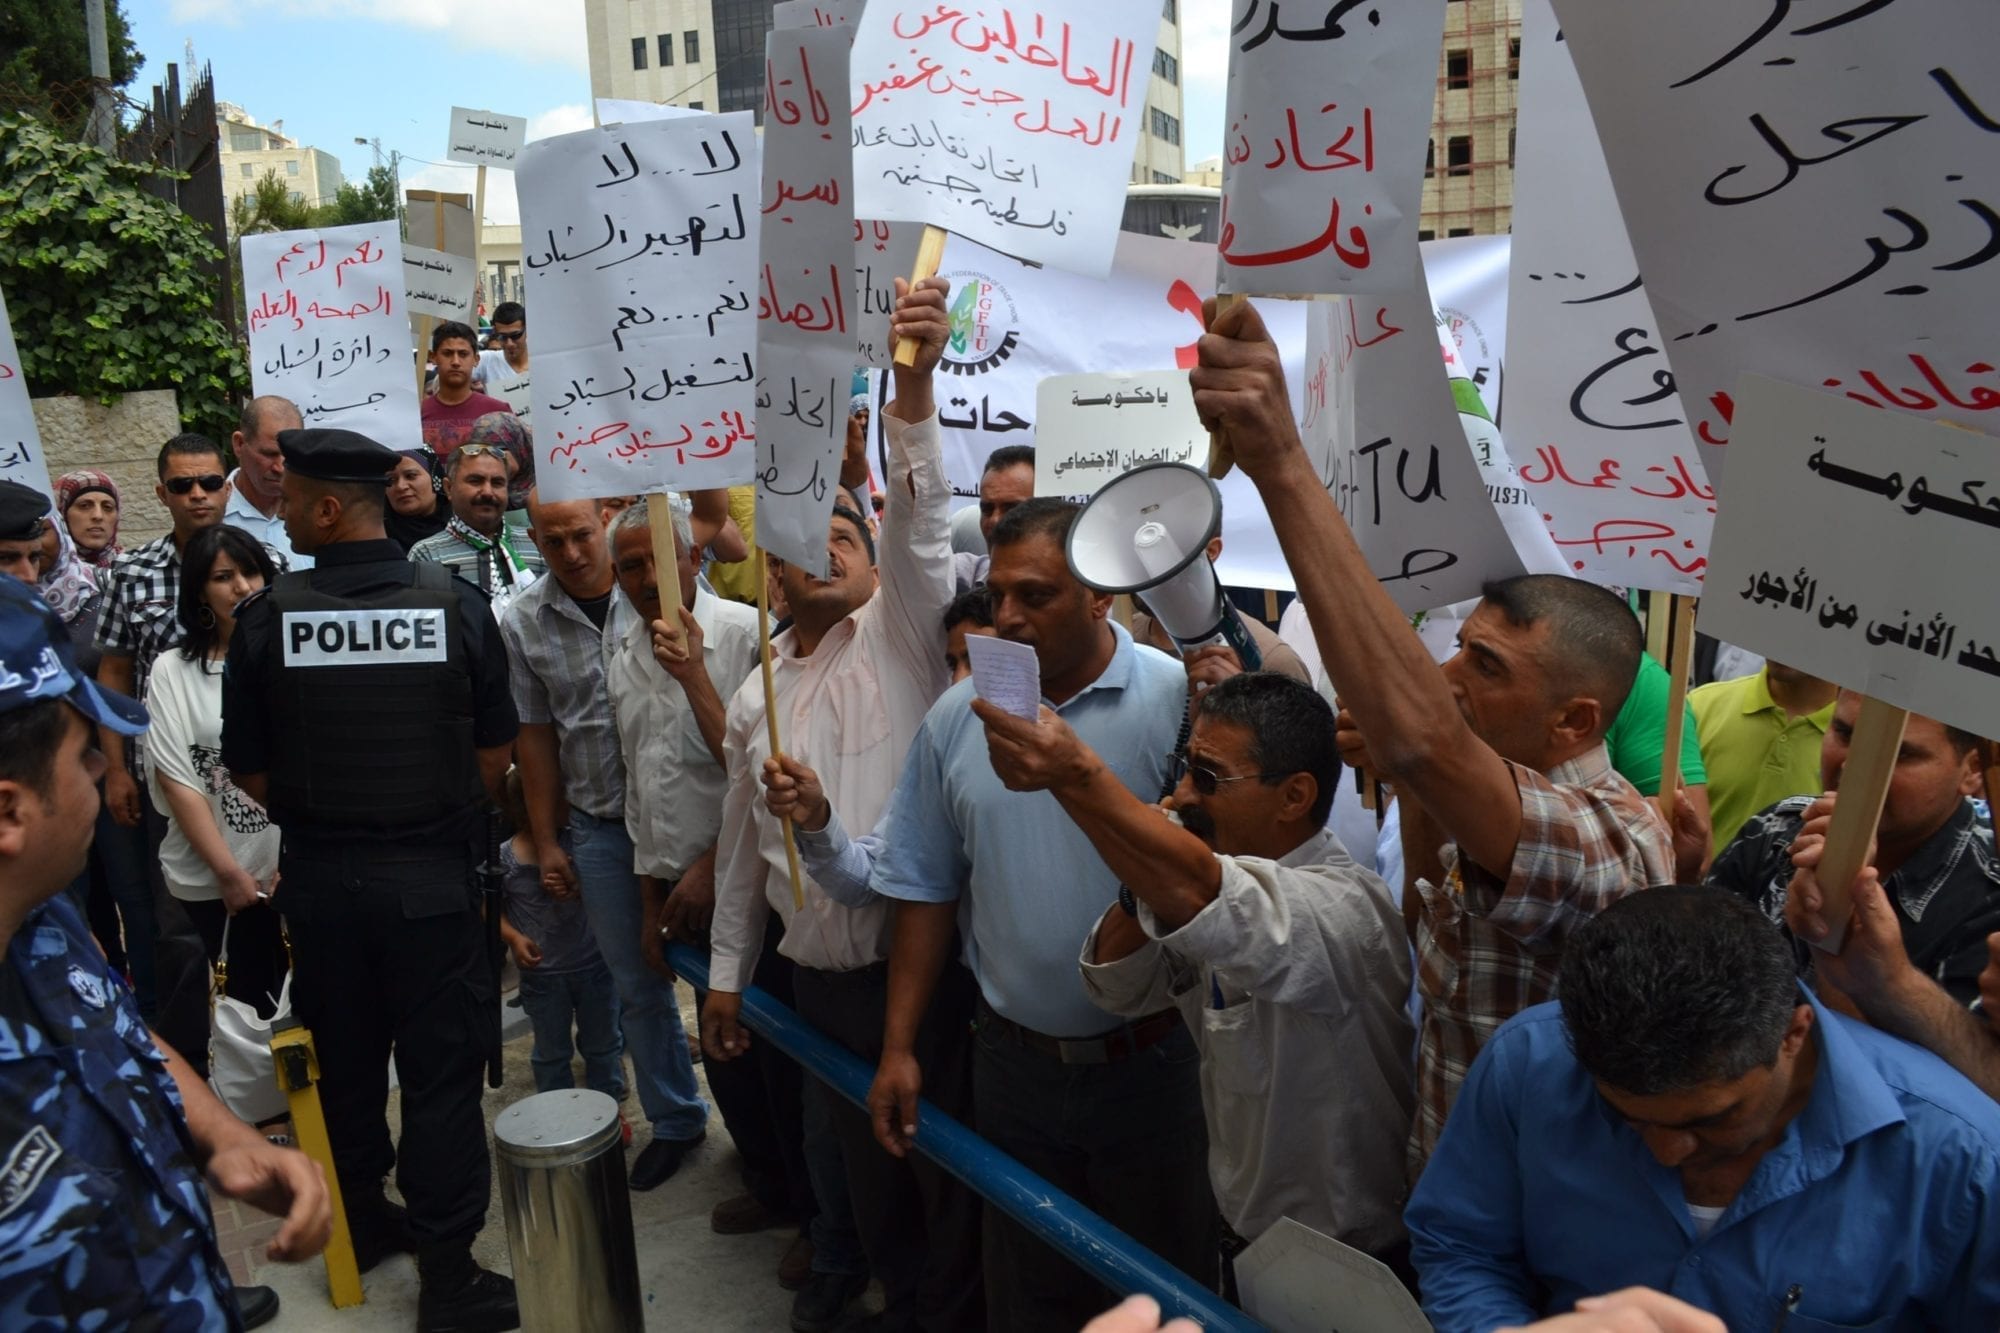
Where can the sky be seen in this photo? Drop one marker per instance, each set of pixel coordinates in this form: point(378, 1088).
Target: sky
point(337, 70)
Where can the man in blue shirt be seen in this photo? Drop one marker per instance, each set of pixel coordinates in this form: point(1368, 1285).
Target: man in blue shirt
point(1688, 1118)
point(1108, 1110)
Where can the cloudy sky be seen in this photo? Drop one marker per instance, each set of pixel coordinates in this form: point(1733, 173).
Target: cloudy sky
point(339, 70)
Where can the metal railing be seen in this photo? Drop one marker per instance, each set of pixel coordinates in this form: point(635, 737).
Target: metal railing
point(1087, 1240)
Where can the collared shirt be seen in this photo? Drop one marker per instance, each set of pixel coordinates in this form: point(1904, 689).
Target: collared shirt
point(1293, 982)
point(1946, 896)
point(1757, 755)
point(848, 712)
point(140, 593)
point(104, 1219)
point(558, 674)
point(673, 785)
point(1487, 948)
point(512, 562)
point(266, 528)
point(1879, 1206)
point(1037, 886)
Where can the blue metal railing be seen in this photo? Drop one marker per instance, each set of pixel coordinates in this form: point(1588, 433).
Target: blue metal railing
point(1087, 1240)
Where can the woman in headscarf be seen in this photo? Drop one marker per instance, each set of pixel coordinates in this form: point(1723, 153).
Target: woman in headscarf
point(69, 586)
point(504, 430)
point(89, 503)
point(417, 507)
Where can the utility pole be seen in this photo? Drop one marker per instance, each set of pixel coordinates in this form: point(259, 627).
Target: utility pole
point(103, 120)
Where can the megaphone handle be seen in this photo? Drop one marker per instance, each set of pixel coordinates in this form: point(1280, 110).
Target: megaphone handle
point(1220, 459)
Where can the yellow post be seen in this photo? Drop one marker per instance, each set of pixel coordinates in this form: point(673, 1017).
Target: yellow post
point(298, 1075)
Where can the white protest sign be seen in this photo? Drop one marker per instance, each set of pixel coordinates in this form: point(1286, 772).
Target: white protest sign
point(1323, 159)
point(1592, 419)
point(1091, 429)
point(1468, 281)
point(21, 457)
point(883, 252)
point(486, 138)
point(816, 13)
point(1014, 128)
point(625, 111)
point(805, 312)
point(329, 329)
point(1812, 195)
point(639, 256)
point(1883, 587)
point(438, 284)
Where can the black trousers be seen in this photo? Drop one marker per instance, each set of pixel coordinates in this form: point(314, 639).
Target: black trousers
point(256, 949)
point(180, 961)
point(388, 956)
point(918, 1223)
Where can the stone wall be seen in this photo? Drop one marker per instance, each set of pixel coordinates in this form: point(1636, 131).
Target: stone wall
point(123, 440)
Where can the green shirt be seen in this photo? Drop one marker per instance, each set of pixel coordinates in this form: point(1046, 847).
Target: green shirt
point(1760, 756)
point(1638, 736)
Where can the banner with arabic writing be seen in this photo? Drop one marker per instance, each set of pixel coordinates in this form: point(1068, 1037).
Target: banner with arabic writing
point(329, 328)
point(1592, 418)
point(1813, 193)
point(639, 259)
point(21, 458)
point(1887, 589)
point(805, 312)
point(1011, 125)
point(1323, 158)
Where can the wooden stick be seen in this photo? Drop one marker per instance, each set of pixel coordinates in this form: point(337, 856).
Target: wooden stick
point(666, 555)
point(478, 226)
point(771, 717)
point(1271, 607)
point(425, 323)
point(930, 253)
point(1680, 656)
point(1864, 784)
point(1659, 625)
point(1220, 458)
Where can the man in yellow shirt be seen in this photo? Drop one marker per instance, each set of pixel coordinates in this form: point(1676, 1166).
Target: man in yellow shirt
point(1760, 737)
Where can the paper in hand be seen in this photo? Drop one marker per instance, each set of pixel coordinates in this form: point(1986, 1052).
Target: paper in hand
point(1006, 674)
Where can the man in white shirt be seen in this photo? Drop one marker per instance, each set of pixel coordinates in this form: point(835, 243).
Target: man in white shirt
point(855, 674)
point(502, 371)
point(256, 495)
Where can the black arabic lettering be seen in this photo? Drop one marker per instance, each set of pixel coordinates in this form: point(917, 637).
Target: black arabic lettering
point(1839, 131)
point(1880, 252)
point(1330, 28)
point(1663, 381)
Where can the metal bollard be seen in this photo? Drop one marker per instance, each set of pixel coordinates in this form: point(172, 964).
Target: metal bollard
point(569, 1218)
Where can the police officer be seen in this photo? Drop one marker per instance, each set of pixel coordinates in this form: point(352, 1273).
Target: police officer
point(104, 1135)
point(365, 703)
point(24, 515)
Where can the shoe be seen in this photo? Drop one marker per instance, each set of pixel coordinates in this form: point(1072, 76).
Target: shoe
point(824, 1299)
point(377, 1229)
point(796, 1268)
point(659, 1160)
point(744, 1214)
point(256, 1306)
point(455, 1295)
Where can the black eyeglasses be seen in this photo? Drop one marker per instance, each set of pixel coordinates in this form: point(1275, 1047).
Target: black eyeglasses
point(208, 481)
point(1206, 780)
point(507, 337)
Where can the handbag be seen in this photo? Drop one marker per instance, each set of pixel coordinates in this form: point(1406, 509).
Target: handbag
point(241, 1068)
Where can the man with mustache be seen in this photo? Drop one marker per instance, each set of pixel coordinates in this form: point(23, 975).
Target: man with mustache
point(475, 542)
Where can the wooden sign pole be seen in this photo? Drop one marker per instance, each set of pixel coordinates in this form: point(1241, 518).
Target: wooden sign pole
point(1659, 625)
point(478, 230)
point(1864, 785)
point(771, 706)
point(666, 555)
point(930, 253)
point(1680, 656)
point(1220, 459)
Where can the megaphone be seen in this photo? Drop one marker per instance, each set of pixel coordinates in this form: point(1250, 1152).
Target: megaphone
point(1147, 532)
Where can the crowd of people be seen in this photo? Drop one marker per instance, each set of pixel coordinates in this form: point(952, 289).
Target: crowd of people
point(1537, 1048)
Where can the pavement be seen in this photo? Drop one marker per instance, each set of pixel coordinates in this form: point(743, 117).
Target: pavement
point(692, 1278)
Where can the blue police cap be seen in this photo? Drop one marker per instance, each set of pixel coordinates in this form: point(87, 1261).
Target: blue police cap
point(38, 663)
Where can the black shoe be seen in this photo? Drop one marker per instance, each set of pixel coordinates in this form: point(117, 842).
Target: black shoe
point(455, 1295)
point(378, 1229)
point(824, 1298)
point(256, 1306)
point(659, 1160)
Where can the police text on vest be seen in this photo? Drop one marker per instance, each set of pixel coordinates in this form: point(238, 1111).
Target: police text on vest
point(363, 638)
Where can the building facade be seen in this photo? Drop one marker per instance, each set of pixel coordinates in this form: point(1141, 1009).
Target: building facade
point(250, 150)
point(1469, 180)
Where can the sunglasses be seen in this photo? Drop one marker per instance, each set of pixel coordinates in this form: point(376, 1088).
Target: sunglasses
point(483, 451)
point(1206, 780)
point(506, 337)
point(208, 481)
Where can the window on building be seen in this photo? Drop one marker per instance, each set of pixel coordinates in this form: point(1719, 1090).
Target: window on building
point(1458, 155)
point(1459, 231)
point(1170, 12)
point(1430, 156)
point(1166, 66)
point(695, 105)
point(638, 53)
point(298, 198)
point(291, 168)
point(1165, 127)
point(665, 42)
point(1510, 146)
point(739, 29)
point(1514, 57)
point(1458, 69)
point(1426, 234)
point(245, 141)
point(691, 47)
point(1163, 178)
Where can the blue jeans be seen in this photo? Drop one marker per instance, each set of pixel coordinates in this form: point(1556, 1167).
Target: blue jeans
point(585, 997)
point(602, 855)
point(123, 854)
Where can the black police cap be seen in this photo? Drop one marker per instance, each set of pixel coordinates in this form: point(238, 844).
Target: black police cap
point(331, 454)
point(23, 512)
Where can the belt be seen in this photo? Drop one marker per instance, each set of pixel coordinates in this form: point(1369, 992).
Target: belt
point(1121, 1043)
point(874, 976)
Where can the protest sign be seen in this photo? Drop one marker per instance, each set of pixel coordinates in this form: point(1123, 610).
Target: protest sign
point(883, 252)
point(438, 284)
point(1592, 419)
point(1882, 587)
point(805, 311)
point(21, 457)
point(1323, 159)
point(1468, 282)
point(485, 138)
point(329, 328)
point(1811, 196)
point(625, 111)
point(1014, 127)
point(1091, 429)
point(639, 259)
point(816, 13)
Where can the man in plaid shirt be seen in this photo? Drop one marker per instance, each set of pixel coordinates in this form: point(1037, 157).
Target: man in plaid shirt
point(1515, 827)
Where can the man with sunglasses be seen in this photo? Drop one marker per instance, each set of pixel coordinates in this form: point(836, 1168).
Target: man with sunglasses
point(503, 366)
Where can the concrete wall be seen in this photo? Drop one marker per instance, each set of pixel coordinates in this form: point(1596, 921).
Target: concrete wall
point(123, 440)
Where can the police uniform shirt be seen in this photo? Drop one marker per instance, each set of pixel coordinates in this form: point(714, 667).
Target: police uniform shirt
point(104, 1222)
point(357, 570)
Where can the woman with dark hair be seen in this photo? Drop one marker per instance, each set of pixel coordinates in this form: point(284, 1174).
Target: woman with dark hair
point(417, 507)
point(220, 855)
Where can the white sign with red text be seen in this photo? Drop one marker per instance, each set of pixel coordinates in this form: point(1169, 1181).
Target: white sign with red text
point(21, 457)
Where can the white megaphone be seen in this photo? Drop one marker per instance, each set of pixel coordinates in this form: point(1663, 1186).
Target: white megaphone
point(1147, 532)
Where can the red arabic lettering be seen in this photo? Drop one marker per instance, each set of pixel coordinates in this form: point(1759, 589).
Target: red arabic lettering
point(361, 255)
point(1337, 149)
point(833, 306)
point(299, 249)
point(1355, 257)
point(786, 111)
point(1184, 298)
point(1683, 484)
point(266, 310)
point(826, 192)
point(989, 41)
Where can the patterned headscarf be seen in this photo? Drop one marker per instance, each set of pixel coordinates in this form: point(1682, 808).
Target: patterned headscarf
point(83, 481)
point(69, 584)
point(504, 430)
point(426, 458)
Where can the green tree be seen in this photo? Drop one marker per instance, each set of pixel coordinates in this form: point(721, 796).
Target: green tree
point(268, 207)
point(111, 288)
point(373, 200)
point(45, 58)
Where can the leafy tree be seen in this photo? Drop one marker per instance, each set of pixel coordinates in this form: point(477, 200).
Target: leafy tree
point(45, 58)
point(111, 288)
point(373, 200)
point(268, 207)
